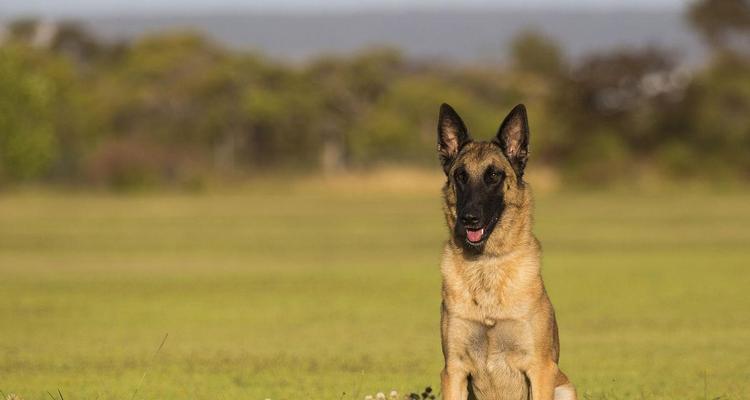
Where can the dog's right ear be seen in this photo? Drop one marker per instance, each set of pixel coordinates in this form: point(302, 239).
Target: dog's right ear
point(452, 135)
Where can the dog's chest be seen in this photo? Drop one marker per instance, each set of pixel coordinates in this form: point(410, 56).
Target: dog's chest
point(494, 353)
point(498, 331)
point(485, 294)
point(487, 307)
point(504, 337)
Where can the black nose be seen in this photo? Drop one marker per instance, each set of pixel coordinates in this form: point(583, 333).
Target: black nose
point(470, 219)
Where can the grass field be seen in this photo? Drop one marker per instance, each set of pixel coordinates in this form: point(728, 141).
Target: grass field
point(327, 293)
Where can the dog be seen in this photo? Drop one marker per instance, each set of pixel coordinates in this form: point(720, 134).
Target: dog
point(498, 328)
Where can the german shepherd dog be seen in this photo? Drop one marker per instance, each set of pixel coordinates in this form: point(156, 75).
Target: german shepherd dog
point(498, 329)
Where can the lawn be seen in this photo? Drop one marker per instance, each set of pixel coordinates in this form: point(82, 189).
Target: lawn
point(306, 292)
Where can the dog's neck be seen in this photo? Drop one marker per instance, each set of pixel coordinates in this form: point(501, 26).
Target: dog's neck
point(510, 259)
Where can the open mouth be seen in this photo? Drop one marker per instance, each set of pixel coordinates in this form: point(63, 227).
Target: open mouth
point(474, 236)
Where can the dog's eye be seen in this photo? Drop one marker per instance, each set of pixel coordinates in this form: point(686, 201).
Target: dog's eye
point(461, 176)
point(492, 177)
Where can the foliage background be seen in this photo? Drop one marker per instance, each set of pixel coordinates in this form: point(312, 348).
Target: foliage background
point(177, 108)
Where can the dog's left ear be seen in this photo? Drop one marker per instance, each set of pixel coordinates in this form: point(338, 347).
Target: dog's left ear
point(513, 138)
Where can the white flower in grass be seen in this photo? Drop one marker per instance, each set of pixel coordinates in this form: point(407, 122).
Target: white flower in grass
point(368, 397)
point(380, 396)
point(393, 395)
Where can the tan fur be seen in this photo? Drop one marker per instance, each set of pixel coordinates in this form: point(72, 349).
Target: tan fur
point(499, 334)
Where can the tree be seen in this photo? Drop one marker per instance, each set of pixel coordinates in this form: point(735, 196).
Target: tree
point(717, 109)
point(724, 24)
point(28, 145)
point(610, 110)
point(532, 51)
point(346, 91)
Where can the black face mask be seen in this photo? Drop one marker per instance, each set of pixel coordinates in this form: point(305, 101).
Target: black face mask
point(479, 205)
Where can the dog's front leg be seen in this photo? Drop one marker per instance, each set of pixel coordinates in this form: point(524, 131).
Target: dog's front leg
point(542, 377)
point(454, 383)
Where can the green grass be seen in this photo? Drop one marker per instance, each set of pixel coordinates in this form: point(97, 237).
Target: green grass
point(301, 293)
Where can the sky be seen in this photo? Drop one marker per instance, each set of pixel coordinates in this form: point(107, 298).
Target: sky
point(56, 8)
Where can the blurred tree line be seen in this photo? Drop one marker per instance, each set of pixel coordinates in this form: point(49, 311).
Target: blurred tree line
point(178, 108)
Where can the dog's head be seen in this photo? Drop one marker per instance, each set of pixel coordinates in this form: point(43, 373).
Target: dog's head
point(484, 179)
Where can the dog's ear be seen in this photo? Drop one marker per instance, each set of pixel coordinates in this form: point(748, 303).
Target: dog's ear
point(452, 135)
point(513, 138)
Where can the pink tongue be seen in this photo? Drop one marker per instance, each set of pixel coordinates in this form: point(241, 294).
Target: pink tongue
point(474, 236)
